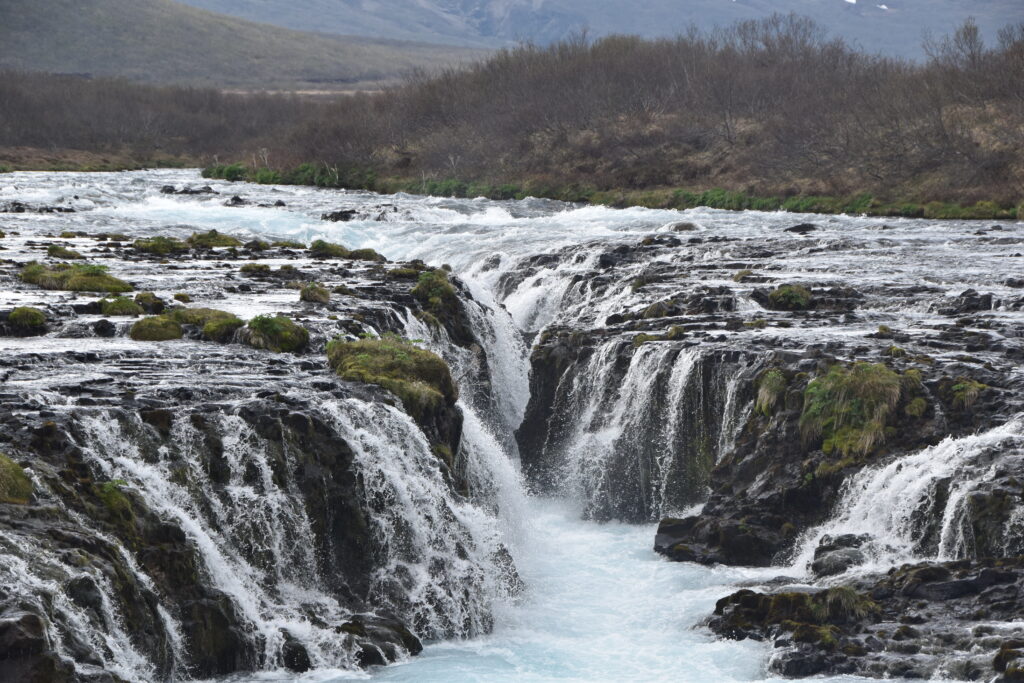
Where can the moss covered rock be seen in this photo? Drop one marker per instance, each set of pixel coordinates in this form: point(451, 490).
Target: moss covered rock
point(323, 249)
point(212, 239)
point(156, 328)
point(27, 320)
point(160, 245)
point(315, 293)
point(60, 251)
point(78, 278)
point(277, 333)
point(420, 378)
point(120, 305)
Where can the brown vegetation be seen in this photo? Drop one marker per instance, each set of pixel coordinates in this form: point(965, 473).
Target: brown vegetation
point(771, 108)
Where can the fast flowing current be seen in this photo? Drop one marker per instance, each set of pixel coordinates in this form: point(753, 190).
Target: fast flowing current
point(598, 603)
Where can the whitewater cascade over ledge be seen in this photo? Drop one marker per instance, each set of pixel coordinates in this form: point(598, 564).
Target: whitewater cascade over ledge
point(596, 602)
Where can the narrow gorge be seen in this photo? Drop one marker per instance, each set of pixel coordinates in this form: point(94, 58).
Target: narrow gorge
point(501, 440)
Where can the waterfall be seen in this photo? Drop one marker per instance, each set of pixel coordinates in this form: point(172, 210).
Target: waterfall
point(635, 436)
point(917, 507)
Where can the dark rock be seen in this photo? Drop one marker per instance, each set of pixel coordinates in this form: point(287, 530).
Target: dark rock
point(104, 328)
point(802, 228)
point(340, 216)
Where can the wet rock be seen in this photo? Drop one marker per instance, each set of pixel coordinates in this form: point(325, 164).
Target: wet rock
point(340, 216)
point(187, 190)
point(236, 201)
point(802, 228)
point(836, 555)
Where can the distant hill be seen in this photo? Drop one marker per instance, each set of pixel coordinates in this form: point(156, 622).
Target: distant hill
point(161, 41)
point(893, 27)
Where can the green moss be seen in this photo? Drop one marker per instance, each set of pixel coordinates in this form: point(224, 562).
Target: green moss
point(435, 292)
point(849, 406)
point(895, 352)
point(916, 408)
point(78, 278)
point(770, 387)
point(257, 245)
point(27, 318)
point(278, 334)
point(643, 338)
point(150, 302)
point(288, 244)
point(421, 379)
point(315, 293)
point(325, 250)
point(120, 305)
point(444, 454)
point(404, 273)
point(758, 324)
point(212, 239)
point(159, 245)
point(156, 328)
point(345, 291)
point(790, 298)
point(221, 330)
point(15, 486)
point(58, 251)
point(884, 332)
point(742, 275)
point(254, 269)
point(366, 255)
point(114, 499)
point(182, 297)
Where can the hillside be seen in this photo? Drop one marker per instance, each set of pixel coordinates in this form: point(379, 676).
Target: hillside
point(167, 42)
point(893, 27)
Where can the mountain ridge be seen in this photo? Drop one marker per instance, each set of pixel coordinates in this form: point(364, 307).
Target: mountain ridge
point(161, 41)
point(895, 27)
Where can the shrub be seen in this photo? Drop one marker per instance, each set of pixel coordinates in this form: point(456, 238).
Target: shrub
point(421, 379)
point(120, 305)
point(27, 319)
point(15, 486)
point(59, 251)
point(254, 269)
point(233, 172)
point(315, 293)
point(80, 278)
point(435, 292)
point(277, 333)
point(790, 298)
point(156, 328)
point(288, 244)
point(848, 407)
point(324, 250)
point(211, 239)
point(770, 386)
point(916, 408)
point(159, 245)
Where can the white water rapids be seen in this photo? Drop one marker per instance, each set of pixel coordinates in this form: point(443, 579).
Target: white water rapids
point(598, 604)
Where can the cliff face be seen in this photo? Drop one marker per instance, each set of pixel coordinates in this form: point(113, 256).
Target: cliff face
point(198, 507)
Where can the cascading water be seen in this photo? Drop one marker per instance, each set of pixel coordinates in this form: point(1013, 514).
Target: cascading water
point(917, 507)
point(525, 589)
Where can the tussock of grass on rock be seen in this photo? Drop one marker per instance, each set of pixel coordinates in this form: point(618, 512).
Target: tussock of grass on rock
point(849, 406)
point(15, 486)
point(27, 318)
